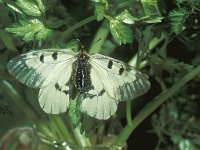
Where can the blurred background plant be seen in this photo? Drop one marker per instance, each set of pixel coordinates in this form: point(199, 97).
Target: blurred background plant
point(159, 37)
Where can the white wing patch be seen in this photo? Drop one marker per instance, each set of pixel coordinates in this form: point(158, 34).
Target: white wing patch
point(120, 81)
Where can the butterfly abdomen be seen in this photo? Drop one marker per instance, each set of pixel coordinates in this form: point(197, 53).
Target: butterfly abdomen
point(81, 69)
point(82, 77)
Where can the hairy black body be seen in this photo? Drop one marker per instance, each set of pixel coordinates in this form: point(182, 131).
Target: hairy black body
point(81, 73)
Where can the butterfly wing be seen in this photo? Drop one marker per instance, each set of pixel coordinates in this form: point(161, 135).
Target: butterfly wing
point(121, 81)
point(97, 103)
point(49, 70)
point(40, 68)
point(54, 100)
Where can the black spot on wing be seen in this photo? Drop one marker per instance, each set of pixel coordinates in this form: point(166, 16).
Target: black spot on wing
point(87, 94)
point(110, 63)
point(58, 87)
point(121, 70)
point(66, 92)
point(55, 56)
point(42, 58)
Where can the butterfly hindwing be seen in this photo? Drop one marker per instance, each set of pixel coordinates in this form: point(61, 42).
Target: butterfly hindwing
point(54, 99)
point(39, 68)
point(97, 103)
point(121, 81)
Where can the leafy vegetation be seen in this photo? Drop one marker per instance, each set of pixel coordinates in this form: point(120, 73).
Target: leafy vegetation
point(160, 38)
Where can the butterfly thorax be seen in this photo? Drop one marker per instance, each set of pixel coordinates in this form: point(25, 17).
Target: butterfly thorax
point(81, 68)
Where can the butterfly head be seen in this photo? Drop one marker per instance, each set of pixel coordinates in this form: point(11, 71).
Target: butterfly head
point(82, 56)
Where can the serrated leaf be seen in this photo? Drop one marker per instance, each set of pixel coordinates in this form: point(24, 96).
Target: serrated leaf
point(177, 18)
point(30, 30)
point(126, 17)
point(14, 8)
point(31, 7)
point(74, 114)
point(41, 6)
point(120, 32)
point(172, 66)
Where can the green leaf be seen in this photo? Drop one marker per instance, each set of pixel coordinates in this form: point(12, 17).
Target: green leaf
point(8, 41)
point(30, 30)
point(41, 6)
point(159, 65)
point(186, 145)
point(99, 11)
point(150, 7)
point(75, 114)
point(120, 32)
point(177, 18)
point(14, 8)
point(31, 7)
point(126, 17)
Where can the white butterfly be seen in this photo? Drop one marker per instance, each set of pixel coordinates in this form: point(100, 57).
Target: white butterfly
point(101, 81)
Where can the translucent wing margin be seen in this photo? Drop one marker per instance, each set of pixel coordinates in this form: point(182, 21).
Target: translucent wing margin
point(40, 68)
point(121, 81)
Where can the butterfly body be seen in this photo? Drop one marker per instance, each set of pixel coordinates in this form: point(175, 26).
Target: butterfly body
point(81, 72)
point(101, 81)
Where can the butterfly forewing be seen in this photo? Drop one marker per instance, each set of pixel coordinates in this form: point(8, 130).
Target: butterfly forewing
point(40, 68)
point(121, 81)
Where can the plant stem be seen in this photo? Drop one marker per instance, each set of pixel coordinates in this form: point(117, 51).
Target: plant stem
point(76, 26)
point(153, 105)
point(128, 113)
point(17, 98)
point(102, 33)
point(154, 42)
point(58, 125)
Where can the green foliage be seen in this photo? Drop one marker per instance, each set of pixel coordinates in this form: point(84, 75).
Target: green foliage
point(74, 113)
point(177, 18)
point(150, 7)
point(31, 7)
point(120, 32)
point(99, 10)
point(126, 17)
point(30, 30)
point(172, 66)
point(169, 123)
